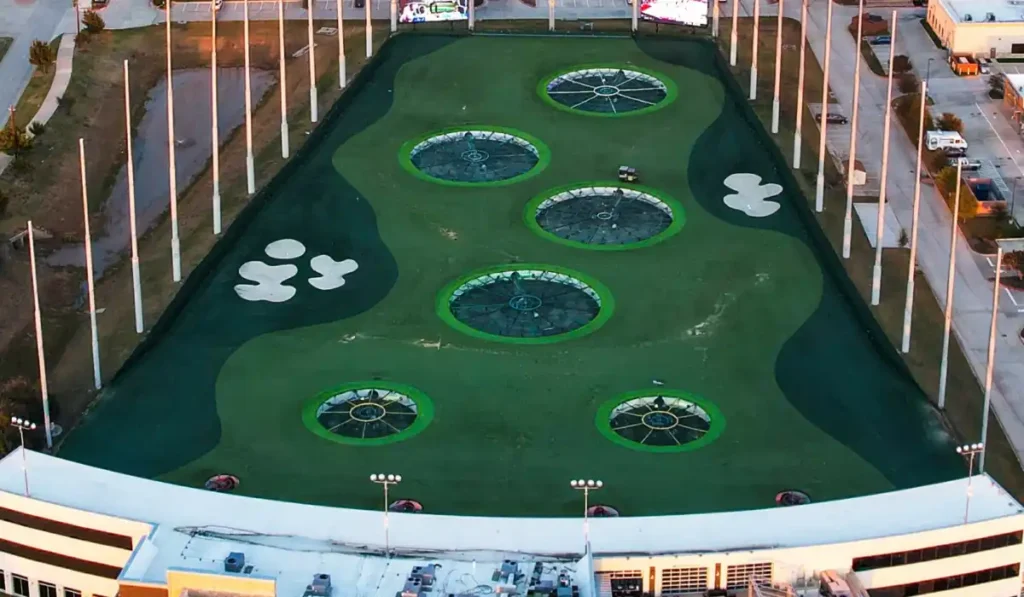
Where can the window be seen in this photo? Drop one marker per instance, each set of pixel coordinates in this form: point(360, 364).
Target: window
point(19, 584)
point(738, 576)
point(47, 590)
point(72, 592)
point(1017, 48)
point(683, 581)
point(950, 582)
point(3, 581)
point(927, 554)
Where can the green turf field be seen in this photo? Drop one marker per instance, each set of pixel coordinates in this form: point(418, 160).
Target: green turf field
point(748, 317)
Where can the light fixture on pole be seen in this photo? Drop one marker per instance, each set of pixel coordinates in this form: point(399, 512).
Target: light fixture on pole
point(798, 136)
point(778, 71)
point(386, 481)
point(908, 308)
point(950, 278)
point(586, 486)
point(214, 111)
point(852, 167)
point(22, 426)
point(819, 190)
point(991, 360)
point(753, 50)
point(969, 451)
point(876, 271)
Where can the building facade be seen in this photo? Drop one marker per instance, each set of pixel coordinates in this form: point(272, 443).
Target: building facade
point(980, 28)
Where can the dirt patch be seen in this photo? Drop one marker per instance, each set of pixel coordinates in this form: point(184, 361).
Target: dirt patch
point(48, 190)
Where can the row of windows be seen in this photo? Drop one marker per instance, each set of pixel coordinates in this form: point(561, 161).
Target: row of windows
point(950, 582)
point(20, 587)
point(950, 550)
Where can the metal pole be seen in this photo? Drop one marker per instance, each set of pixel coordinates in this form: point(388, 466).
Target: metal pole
point(733, 38)
point(215, 110)
point(950, 278)
point(172, 170)
point(876, 272)
point(312, 64)
point(551, 13)
point(753, 50)
point(283, 86)
point(848, 217)
point(714, 19)
point(778, 71)
point(819, 191)
point(39, 336)
point(24, 458)
point(136, 277)
point(797, 136)
point(250, 163)
point(909, 306)
point(90, 286)
point(586, 505)
point(342, 76)
point(369, 29)
point(991, 360)
point(970, 490)
point(387, 526)
point(394, 15)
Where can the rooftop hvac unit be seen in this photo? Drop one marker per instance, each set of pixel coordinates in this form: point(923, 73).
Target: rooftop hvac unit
point(321, 585)
point(235, 562)
point(413, 588)
point(990, 17)
point(425, 574)
point(968, 18)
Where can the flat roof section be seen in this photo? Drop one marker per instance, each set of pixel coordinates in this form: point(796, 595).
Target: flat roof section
point(255, 521)
point(977, 11)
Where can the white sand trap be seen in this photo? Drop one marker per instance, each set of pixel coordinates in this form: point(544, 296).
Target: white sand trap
point(286, 248)
point(332, 273)
point(750, 196)
point(268, 279)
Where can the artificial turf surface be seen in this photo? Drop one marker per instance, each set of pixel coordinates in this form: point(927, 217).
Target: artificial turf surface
point(742, 312)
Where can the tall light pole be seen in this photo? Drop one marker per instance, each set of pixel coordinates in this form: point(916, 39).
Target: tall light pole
point(214, 110)
point(551, 13)
point(250, 161)
point(876, 272)
point(40, 353)
point(312, 64)
point(172, 169)
point(386, 481)
point(908, 307)
point(950, 279)
point(753, 50)
point(90, 284)
point(586, 486)
point(733, 37)
point(848, 216)
point(394, 15)
point(136, 277)
point(714, 20)
point(969, 451)
point(369, 28)
point(819, 191)
point(991, 356)
point(22, 426)
point(797, 136)
point(283, 86)
point(342, 76)
point(778, 71)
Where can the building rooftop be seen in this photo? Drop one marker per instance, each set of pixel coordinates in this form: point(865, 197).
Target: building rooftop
point(978, 11)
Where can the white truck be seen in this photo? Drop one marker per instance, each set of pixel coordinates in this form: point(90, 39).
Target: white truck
point(945, 140)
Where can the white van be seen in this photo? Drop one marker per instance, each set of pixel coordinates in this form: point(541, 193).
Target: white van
point(936, 140)
point(833, 585)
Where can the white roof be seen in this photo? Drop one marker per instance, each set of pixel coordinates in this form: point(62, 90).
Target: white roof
point(1005, 11)
point(1017, 80)
point(325, 529)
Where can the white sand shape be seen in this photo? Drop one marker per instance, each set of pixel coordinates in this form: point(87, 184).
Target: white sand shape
point(332, 273)
point(285, 249)
point(751, 196)
point(268, 279)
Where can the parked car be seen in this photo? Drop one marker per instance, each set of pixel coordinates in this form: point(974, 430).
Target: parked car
point(100, 3)
point(881, 40)
point(983, 67)
point(833, 118)
point(954, 152)
point(966, 163)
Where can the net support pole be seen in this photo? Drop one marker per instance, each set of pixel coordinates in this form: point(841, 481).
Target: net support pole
point(848, 216)
point(342, 74)
point(551, 14)
point(734, 36)
point(876, 271)
point(797, 136)
point(172, 170)
point(714, 19)
point(753, 50)
point(136, 277)
point(778, 72)
point(634, 18)
point(991, 359)
point(950, 283)
point(819, 188)
point(89, 281)
point(283, 86)
point(44, 392)
point(369, 28)
point(912, 268)
point(250, 162)
point(214, 110)
point(313, 106)
point(472, 14)
point(394, 16)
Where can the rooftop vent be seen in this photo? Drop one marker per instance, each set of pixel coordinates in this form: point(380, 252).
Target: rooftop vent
point(235, 562)
point(990, 17)
point(321, 585)
point(968, 18)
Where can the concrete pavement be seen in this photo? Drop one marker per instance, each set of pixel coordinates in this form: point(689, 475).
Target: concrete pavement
point(26, 23)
